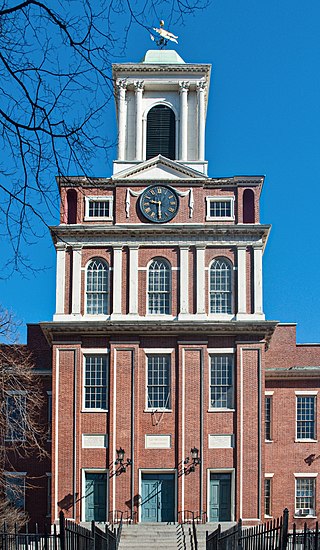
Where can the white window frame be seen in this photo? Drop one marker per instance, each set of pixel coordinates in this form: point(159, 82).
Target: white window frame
point(104, 315)
point(160, 315)
point(94, 352)
point(22, 438)
point(160, 351)
point(312, 511)
point(312, 394)
point(222, 351)
point(21, 475)
point(221, 315)
point(99, 198)
point(209, 200)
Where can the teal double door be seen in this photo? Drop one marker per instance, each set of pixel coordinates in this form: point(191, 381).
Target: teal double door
point(96, 485)
point(220, 497)
point(158, 497)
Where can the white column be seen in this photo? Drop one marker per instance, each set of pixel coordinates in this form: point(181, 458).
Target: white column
point(122, 118)
point(134, 281)
point(242, 281)
point(117, 280)
point(200, 259)
point(257, 280)
point(60, 278)
point(76, 279)
point(201, 120)
point(184, 87)
point(184, 279)
point(139, 91)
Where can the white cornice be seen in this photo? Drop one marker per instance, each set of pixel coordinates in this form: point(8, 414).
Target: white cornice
point(159, 161)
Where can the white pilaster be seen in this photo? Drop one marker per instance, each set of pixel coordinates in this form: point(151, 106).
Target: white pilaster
point(184, 280)
point(117, 280)
point(200, 259)
point(122, 118)
point(76, 279)
point(60, 278)
point(257, 280)
point(133, 283)
point(242, 281)
point(138, 92)
point(201, 120)
point(184, 87)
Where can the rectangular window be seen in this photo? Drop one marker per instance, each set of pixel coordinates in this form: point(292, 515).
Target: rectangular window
point(48, 494)
point(15, 489)
point(306, 406)
point(220, 208)
point(158, 388)
point(267, 497)
point(99, 208)
point(221, 381)
point(95, 382)
point(267, 418)
point(49, 413)
point(305, 496)
point(16, 416)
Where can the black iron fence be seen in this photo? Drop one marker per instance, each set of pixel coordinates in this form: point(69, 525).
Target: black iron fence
point(67, 536)
point(274, 535)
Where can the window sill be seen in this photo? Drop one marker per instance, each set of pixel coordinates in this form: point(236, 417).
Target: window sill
point(94, 410)
point(306, 441)
point(268, 441)
point(305, 517)
point(218, 219)
point(268, 517)
point(157, 410)
point(97, 219)
point(221, 410)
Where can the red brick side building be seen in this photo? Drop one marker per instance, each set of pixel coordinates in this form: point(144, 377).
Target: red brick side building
point(160, 347)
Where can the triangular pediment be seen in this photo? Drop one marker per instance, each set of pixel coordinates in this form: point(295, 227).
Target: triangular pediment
point(159, 168)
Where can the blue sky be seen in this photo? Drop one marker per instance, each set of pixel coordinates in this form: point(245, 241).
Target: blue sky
point(263, 118)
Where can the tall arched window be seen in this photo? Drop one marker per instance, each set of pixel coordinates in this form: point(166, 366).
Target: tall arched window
point(161, 132)
point(159, 287)
point(221, 286)
point(98, 287)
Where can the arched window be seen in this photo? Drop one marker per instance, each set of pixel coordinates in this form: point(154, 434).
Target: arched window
point(221, 286)
point(159, 287)
point(161, 132)
point(72, 206)
point(248, 206)
point(98, 287)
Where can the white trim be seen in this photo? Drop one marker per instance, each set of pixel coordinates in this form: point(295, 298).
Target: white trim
point(233, 485)
point(76, 279)
point(308, 474)
point(60, 278)
point(200, 280)
point(83, 489)
point(159, 471)
point(311, 392)
point(268, 475)
point(160, 351)
point(184, 280)
point(269, 393)
point(133, 280)
point(242, 280)
point(100, 198)
point(221, 198)
point(117, 280)
point(257, 280)
point(105, 444)
point(94, 351)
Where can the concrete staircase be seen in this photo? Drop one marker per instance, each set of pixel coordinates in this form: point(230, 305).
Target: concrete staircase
point(152, 536)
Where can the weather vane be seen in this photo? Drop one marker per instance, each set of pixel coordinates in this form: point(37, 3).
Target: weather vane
point(165, 36)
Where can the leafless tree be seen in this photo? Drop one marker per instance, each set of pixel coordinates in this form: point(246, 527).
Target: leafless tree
point(22, 429)
point(55, 67)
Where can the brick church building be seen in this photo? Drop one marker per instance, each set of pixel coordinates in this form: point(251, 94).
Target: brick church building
point(170, 390)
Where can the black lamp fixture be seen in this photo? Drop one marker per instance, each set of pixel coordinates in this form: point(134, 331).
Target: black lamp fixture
point(120, 460)
point(194, 452)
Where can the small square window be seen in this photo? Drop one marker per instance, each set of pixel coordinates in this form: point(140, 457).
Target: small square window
point(99, 208)
point(220, 208)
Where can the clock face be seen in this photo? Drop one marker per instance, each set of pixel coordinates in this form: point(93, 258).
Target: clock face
point(159, 203)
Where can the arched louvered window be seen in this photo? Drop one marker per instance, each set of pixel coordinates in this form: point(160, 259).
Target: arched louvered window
point(221, 286)
point(98, 287)
point(159, 287)
point(161, 132)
